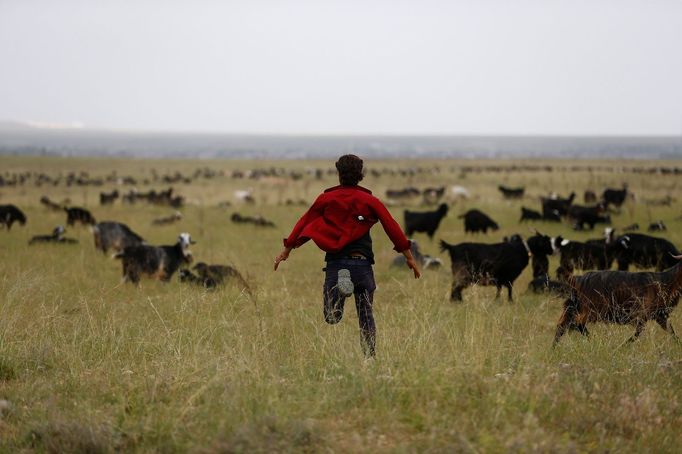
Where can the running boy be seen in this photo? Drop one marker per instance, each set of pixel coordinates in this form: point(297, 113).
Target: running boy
point(339, 222)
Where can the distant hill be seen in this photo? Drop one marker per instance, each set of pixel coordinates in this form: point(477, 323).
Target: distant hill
point(17, 138)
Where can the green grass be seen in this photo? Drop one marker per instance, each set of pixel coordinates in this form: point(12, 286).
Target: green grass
point(92, 365)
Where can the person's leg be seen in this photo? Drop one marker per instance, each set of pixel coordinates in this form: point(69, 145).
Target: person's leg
point(333, 301)
point(363, 278)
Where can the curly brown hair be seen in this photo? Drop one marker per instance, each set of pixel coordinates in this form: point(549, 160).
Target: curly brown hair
point(349, 167)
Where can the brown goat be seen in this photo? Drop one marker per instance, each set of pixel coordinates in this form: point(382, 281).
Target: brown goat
point(622, 297)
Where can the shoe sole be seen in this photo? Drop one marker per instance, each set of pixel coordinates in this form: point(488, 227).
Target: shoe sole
point(344, 283)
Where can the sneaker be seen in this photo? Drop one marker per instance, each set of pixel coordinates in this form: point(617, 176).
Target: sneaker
point(344, 284)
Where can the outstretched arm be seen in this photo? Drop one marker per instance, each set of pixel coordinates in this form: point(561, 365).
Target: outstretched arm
point(282, 256)
point(411, 262)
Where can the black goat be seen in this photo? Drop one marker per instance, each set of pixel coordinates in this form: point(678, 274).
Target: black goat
point(57, 236)
point(9, 214)
point(590, 196)
point(530, 215)
point(108, 198)
point(477, 221)
point(486, 264)
point(170, 219)
point(402, 193)
point(159, 262)
point(551, 207)
point(45, 200)
point(114, 235)
point(540, 247)
point(623, 298)
point(642, 251)
point(220, 274)
point(583, 256)
point(424, 221)
point(657, 226)
point(511, 193)
point(76, 214)
point(187, 276)
point(614, 197)
point(255, 220)
point(581, 215)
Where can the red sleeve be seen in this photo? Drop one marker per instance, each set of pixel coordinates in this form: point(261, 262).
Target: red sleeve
point(315, 211)
point(391, 227)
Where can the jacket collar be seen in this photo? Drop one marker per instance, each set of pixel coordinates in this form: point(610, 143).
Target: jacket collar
point(359, 188)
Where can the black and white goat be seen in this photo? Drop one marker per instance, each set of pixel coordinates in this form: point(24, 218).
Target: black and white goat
point(114, 235)
point(57, 236)
point(158, 262)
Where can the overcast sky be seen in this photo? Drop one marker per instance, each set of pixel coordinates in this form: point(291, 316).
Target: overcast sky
point(422, 66)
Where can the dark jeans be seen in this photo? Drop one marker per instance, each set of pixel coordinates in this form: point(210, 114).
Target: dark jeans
point(362, 275)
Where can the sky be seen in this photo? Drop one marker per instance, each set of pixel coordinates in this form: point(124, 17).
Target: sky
point(550, 67)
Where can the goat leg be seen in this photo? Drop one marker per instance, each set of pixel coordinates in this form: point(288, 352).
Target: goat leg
point(639, 327)
point(664, 323)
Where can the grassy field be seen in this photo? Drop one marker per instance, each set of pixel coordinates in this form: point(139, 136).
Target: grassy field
point(88, 364)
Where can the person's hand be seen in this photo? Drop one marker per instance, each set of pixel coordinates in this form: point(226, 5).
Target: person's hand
point(414, 267)
point(282, 257)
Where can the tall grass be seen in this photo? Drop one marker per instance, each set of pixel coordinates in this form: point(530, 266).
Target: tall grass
point(92, 365)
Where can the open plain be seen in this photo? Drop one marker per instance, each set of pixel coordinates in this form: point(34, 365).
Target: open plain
point(91, 364)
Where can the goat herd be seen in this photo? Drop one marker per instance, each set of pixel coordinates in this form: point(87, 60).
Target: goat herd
point(137, 256)
point(598, 295)
point(602, 295)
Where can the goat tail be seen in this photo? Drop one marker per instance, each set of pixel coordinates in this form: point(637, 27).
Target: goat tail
point(445, 246)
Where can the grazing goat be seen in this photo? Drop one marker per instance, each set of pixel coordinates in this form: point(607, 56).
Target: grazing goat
point(657, 226)
point(424, 261)
point(188, 277)
point(9, 214)
point(158, 262)
point(45, 200)
point(583, 256)
point(511, 193)
point(486, 264)
point(255, 220)
point(424, 221)
point(402, 193)
point(642, 251)
point(540, 247)
point(108, 198)
point(171, 219)
point(219, 274)
point(551, 207)
point(57, 236)
point(114, 235)
point(530, 215)
point(614, 197)
point(477, 221)
point(543, 284)
point(81, 215)
point(623, 298)
point(590, 196)
point(581, 215)
point(631, 227)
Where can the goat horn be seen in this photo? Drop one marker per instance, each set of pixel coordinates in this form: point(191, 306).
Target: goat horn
point(678, 257)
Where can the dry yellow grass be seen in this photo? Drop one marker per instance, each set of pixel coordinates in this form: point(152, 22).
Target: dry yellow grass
point(88, 364)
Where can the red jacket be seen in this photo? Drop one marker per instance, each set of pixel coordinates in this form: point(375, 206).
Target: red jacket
point(341, 215)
